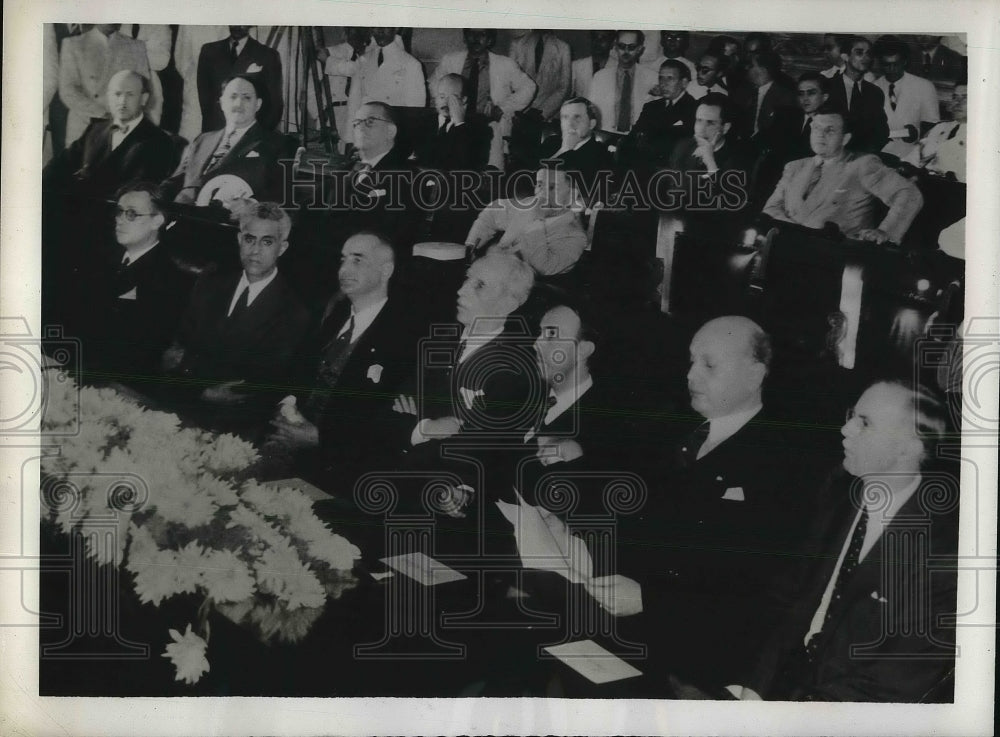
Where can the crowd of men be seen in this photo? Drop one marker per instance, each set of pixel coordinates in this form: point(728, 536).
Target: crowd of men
point(749, 569)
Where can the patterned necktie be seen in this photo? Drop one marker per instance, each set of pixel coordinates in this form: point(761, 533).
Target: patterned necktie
point(851, 560)
point(892, 95)
point(539, 51)
point(473, 86)
point(332, 362)
point(221, 151)
point(855, 97)
point(242, 303)
point(817, 173)
point(625, 102)
point(232, 50)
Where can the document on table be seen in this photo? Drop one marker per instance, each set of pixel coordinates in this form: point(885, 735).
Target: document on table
point(423, 568)
point(313, 492)
point(593, 662)
point(545, 543)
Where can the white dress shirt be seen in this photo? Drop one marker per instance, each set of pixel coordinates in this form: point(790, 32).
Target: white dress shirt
point(119, 135)
point(363, 319)
point(255, 289)
point(721, 429)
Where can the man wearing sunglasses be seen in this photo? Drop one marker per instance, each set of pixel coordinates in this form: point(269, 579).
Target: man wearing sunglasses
point(620, 92)
point(708, 77)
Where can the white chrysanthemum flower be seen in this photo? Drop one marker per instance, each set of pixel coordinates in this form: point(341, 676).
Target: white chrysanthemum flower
point(156, 580)
point(226, 578)
point(280, 572)
point(228, 453)
point(335, 551)
point(61, 402)
point(183, 506)
point(187, 653)
point(218, 489)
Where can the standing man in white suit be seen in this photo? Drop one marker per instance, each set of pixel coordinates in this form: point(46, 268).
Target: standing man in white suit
point(497, 86)
point(620, 92)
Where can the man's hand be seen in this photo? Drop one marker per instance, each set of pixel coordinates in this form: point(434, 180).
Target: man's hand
point(224, 394)
point(456, 110)
point(705, 151)
point(405, 404)
point(172, 357)
point(299, 435)
point(322, 55)
point(557, 450)
point(873, 234)
point(621, 596)
point(454, 501)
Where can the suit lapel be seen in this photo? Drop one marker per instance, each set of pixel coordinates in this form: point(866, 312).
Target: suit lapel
point(250, 139)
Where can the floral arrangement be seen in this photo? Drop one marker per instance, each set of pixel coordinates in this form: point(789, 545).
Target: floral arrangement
point(187, 521)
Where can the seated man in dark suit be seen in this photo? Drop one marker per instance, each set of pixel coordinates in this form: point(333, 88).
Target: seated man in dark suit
point(241, 330)
point(125, 148)
point(666, 120)
point(364, 349)
point(492, 386)
point(723, 521)
point(239, 55)
point(136, 295)
point(459, 144)
point(863, 102)
point(243, 148)
point(720, 163)
point(842, 187)
point(577, 148)
point(871, 625)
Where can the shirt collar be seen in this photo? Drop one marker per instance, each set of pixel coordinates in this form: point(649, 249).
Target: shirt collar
point(720, 429)
point(487, 331)
point(364, 318)
point(762, 90)
point(137, 253)
point(567, 397)
point(373, 162)
point(128, 127)
point(255, 289)
point(240, 45)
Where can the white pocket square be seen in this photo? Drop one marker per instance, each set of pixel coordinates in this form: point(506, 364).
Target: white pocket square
point(879, 599)
point(130, 294)
point(377, 193)
point(252, 155)
point(678, 122)
point(375, 372)
point(734, 493)
point(254, 68)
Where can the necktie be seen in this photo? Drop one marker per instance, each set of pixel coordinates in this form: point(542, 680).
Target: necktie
point(927, 61)
point(221, 151)
point(625, 103)
point(807, 127)
point(380, 57)
point(756, 116)
point(473, 86)
point(124, 280)
point(855, 97)
point(892, 95)
point(361, 173)
point(332, 361)
point(232, 50)
point(689, 450)
point(347, 87)
point(539, 51)
point(242, 303)
point(817, 173)
point(135, 30)
point(850, 563)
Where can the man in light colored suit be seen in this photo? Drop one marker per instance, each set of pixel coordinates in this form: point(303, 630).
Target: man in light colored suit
point(842, 187)
point(546, 59)
point(389, 74)
point(909, 100)
point(86, 65)
point(602, 55)
point(243, 148)
point(341, 64)
point(498, 87)
point(620, 92)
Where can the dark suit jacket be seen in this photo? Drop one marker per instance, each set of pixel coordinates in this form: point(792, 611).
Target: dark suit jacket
point(464, 147)
point(135, 331)
point(777, 98)
point(214, 68)
point(254, 159)
point(868, 121)
point(659, 128)
point(358, 421)
point(714, 547)
point(889, 607)
point(724, 192)
point(257, 346)
point(89, 166)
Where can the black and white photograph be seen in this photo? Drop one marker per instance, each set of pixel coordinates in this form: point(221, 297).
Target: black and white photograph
point(624, 376)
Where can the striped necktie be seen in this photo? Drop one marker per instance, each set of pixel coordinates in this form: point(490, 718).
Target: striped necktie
point(221, 151)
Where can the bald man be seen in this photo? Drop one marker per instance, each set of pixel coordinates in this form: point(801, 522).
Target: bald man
point(724, 516)
point(112, 152)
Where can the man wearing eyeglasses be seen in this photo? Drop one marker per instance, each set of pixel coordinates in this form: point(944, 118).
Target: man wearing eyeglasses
point(128, 147)
point(136, 294)
point(620, 92)
point(243, 149)
point(241, 329)
point(880, 581)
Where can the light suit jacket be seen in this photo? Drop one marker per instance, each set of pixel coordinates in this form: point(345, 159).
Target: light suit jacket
point(845, 194)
